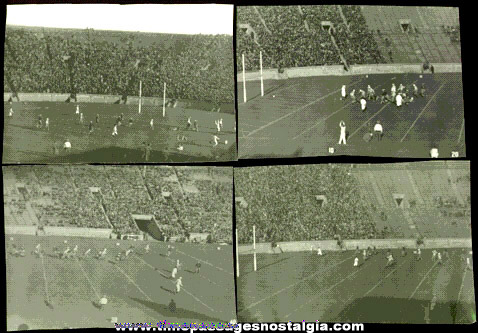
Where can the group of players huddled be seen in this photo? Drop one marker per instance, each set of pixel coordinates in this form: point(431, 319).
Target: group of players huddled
point(403, 94)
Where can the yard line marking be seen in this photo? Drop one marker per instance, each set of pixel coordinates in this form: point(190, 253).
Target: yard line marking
point(45, 279)
point(89, 281)
point(423, 280)
point(383, 279)
point(207, 263)
point(368, 120)
point(297, 110)
point(185, 290)
point(322, 120)
point(328, 289)
point(461, 286)
point(461, 130)
point(132, 282)
point(270, 91)
point(426, 106)
point(292, 285)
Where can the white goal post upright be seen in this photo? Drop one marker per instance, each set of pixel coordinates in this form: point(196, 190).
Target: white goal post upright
point(237, 255)
point(244, 77)
point(164, 100)
point(140, 88)
point(254, 246)
point(262, 78)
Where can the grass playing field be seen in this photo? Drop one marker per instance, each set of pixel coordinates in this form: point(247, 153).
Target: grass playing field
point(304, 286)
point(138, 289)
point(300, 117)
point(23, 142)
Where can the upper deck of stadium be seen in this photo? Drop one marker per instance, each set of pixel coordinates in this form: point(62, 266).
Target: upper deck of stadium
point(296, 36)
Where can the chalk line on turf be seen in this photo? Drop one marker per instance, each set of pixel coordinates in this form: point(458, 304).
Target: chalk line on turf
point(326, 290)
point(420, 114)
point(89, 281)
point(293, 285)
point(206, 262)
point(423, 280)
point(133, 283)
point(295, 111)
point(384, 278)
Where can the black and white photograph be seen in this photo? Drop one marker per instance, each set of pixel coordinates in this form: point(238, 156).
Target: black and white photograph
point(366, 243)
point(97, 246)
point(326, 80)
point(106, 83)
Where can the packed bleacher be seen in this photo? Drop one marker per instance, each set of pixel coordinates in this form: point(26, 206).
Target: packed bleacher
point(282, 204)
point(108, 196)
point(195, 67)
point(293, 36)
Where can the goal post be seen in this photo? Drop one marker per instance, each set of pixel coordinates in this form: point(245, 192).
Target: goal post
point(164, 100)
point(262, 78)
point(244, 78)
point(254, 246)
point(139, 103)
point(237, 255)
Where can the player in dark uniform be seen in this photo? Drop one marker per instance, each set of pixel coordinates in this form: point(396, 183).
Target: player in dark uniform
point(40, 121)
point(198, 267)
point(422, 90)
point(97, 118)
point(90, 126)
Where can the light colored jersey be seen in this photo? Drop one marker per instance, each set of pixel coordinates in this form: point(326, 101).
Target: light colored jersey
point(363, 103)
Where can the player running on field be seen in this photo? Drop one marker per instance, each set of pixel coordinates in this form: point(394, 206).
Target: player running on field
point(169, 250)
point(77, 109)
point(174, 272)
point(434, 255)
point(343, 93)
point(390, 259)
point(188, 125)
point(363, 104)
point(356, 262)
point(86, 254)
point(404, 251)
point(319, 252)
point(146, 248)
point(115, 130)
point(47, 124)
point(66, 253)
point(439, 258)
point(151, 124)
point(90, 127)
point(101, 254)
point(198, 267)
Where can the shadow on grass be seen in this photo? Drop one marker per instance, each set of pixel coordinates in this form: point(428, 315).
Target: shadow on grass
point(178, 313)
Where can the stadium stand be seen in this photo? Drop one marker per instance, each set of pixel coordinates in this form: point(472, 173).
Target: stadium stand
point(46, 60)
point(403, 200)
point(297, 36)
point(107, 196)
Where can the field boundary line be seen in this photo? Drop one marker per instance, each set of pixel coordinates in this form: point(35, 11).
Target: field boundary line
point(420, 114)
point(461, 286)
point(283, 86)
point(422, 280)
point(89, 281)
point(327, 290)
point(206, 262)
point(293, 285)
point(297, 110)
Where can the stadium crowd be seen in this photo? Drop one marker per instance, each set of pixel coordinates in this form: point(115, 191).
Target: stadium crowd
point(282, 204)
point(195, 67)
point(293, 36)
point(107, 196)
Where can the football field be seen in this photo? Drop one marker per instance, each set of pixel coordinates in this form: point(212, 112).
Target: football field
point(24, 142)
point(300, 117)
point(139, 289)
point(303, 286)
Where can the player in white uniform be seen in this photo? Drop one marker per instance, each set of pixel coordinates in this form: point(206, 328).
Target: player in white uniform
point(151, 124)
point(363, 104)
point(47, 124)
point(393, 90)
point(66, 253)
point(344, 93)
point(434, 153)
point(319, 252)
point(390, 260)
point(343, 132)
point(179, 284)
point(216, 140)
point(439, 259)
point(87, 253)
point(378, 129)
point(399, 100)
point(356, 262)
point(146, 248)
point(216, 122)
point(352, 95)
point(174, 272)
point(220, 123)
point(81, 118)
point(434, 255)
point(77, 109)
point(178, 264)
point(115, 130)
point(10, 113)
